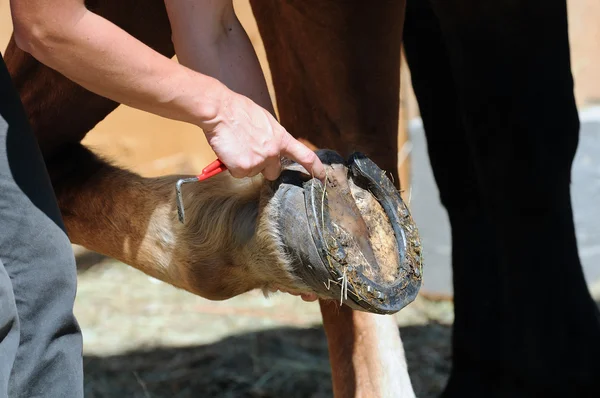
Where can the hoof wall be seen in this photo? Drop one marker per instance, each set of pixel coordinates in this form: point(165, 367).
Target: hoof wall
point(353, 240)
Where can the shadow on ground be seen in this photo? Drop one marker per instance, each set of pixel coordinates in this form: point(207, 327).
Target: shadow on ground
point(282, 362)
point(144, 338)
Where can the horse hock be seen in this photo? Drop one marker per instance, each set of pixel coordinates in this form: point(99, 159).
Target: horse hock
point(350, 238)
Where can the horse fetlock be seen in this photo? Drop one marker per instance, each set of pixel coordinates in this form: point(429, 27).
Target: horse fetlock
point(230, 243)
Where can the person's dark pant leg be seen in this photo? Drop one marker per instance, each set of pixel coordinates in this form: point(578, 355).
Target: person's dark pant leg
point(37, 256)
point(475, 266)
point(494, 85)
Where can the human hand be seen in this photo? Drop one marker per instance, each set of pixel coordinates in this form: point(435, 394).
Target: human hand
point(249, 140)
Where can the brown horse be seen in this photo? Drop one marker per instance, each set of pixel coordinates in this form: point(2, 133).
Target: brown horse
point(483, 73)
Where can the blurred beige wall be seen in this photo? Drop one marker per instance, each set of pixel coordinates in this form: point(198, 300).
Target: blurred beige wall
point(584, 30)
point(153, 145)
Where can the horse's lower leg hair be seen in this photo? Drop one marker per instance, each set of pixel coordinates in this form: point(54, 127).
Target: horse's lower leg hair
point(227, 246)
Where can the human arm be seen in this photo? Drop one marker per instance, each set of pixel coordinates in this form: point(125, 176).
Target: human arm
point(209, 38)
point(104, 59)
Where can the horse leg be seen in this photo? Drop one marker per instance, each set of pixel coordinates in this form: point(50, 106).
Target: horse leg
point(335, 68)
point(226, 248)
point(119, 213)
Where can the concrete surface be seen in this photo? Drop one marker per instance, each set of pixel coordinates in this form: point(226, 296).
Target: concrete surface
point(433, 222)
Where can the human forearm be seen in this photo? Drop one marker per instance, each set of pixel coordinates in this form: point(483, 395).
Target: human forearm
point(209, 38)
point(118, 66)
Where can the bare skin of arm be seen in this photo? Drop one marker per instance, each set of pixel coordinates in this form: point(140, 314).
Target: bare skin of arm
point(209, 38)
point(106, 60)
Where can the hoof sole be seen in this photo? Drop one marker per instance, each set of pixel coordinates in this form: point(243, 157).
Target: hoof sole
point(353, 238)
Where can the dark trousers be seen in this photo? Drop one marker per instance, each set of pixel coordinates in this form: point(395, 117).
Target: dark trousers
point(494, 86)
point(40, 340)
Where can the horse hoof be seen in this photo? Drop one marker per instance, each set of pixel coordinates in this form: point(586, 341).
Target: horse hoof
point(352, 238)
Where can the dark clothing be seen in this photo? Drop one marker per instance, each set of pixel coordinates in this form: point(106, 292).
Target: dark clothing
point(494, 86)
point(40, 340)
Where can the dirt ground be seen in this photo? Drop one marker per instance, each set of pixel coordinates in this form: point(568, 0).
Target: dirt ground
point(144, 338)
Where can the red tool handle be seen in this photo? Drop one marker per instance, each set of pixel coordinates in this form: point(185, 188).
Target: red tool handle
point(212, 169)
